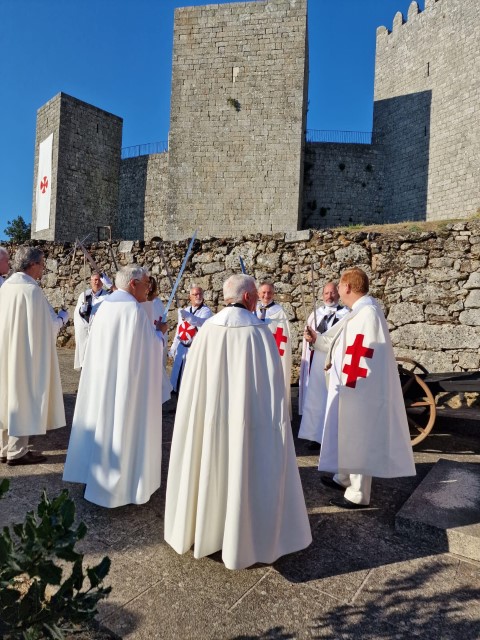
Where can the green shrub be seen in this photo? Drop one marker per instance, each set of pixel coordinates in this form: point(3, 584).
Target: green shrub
point(35, 601)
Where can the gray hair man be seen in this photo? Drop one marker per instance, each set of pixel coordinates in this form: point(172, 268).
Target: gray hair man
point(32, 400)
point(87, 305)
point(274, 315)
point(311, 404)
point(233, 481)
point(115, 446)
point(189, 322)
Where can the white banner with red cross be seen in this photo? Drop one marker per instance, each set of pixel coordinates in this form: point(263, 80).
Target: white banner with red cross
point(44, 184)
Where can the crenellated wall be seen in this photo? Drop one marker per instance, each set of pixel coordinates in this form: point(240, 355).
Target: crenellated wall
point(427, 97)
point(428, 281)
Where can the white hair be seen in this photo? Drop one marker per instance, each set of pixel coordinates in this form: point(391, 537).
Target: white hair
point(25, 257)
point(235, 286)
point(128, 273)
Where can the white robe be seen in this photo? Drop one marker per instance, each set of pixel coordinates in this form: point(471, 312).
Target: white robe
point(31, 399)
point(115, 446)
point(155, 310)
point(82, 326)
point(315, 399)
point(195, 317)
point(366, 430)
point(233, 482)
point(280, 328)
point(306, 352)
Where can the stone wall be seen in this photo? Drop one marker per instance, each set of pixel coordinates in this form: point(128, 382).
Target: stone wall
point(428, 281)
point(143, 197)
point(343, 184)
point(427, 92)
point(237, 118)
point(85, 167)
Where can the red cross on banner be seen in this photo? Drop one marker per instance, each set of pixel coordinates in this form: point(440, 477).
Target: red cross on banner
point(186, 332)
point(44, 184)
point(279, 338)
point(357, 351)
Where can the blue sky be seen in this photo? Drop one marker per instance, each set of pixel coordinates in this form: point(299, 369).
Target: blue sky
point(116, 54)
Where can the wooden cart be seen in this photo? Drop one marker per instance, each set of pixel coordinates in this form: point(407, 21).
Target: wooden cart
point(420, 389)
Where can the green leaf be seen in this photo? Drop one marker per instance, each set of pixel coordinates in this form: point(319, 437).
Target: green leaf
point(98, 573)
point(49, 572)
point(4, 486)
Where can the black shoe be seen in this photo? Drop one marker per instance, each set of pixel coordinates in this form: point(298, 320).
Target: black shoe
point(313, 446)
point(28, 458)
point(343, 503)
point(331, 484)
point(3, 459)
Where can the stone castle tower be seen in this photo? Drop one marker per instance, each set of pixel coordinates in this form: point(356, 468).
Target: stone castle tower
point(238, 161)
point(427, 110)
point(85, 168)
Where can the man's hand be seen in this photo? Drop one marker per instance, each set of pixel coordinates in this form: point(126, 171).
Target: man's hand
point(310, 335)
point(161, 326)
point(63, 315)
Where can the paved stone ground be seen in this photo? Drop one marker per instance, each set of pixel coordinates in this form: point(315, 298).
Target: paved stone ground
point(359, 579)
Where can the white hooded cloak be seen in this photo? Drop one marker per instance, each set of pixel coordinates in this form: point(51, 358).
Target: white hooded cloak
point(366, 429)
point(233, 482)
point(115, 446)
point(31, 399)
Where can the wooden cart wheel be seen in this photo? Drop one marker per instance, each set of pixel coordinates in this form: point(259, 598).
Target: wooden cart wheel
point(419, 401)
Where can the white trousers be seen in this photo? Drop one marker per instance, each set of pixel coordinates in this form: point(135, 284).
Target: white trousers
point(13, 447)
point(358, 487)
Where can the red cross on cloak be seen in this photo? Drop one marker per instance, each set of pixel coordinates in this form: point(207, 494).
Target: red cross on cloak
point(186, 331)
point(357, 351)
point(44, 184)
point(279, 338)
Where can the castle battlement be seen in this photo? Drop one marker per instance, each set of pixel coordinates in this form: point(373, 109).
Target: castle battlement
point(399, 20)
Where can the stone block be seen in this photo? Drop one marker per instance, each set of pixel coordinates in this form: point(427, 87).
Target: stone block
point(352, 255)
point(298, 236)
point(436, 337)
point(444, 510)
point(406, 312)
point(473, 299)
point(470, 317)
point(125, 246)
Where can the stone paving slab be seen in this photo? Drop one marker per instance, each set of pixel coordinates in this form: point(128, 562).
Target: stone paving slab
point(359, 579)
point(444, 510)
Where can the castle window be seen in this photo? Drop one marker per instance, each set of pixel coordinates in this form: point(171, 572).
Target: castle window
point(428, 69)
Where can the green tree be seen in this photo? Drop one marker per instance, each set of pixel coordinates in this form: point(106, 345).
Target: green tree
point(18, 230)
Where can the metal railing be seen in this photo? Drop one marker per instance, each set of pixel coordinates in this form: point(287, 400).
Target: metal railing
point(352, 137)
point(144, 149)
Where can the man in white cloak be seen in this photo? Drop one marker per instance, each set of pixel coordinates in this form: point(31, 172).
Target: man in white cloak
point(115, 447)
point(312, 388)
point(31, 401)
point(366, 431)
point(233, 482)
point(189, 322)
point(86, 305)
point(274, 314)
point(4, 266)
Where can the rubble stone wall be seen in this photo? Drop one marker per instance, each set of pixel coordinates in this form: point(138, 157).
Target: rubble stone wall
point(427, 281)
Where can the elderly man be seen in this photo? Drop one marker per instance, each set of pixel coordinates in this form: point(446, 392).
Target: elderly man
point(86, 306)
point(31, 401)
point(189, 322)
point(270, 311)
point(116, 441)
point(233, 482)
point(4, 266)
point(312, 390)
point(366, 430)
